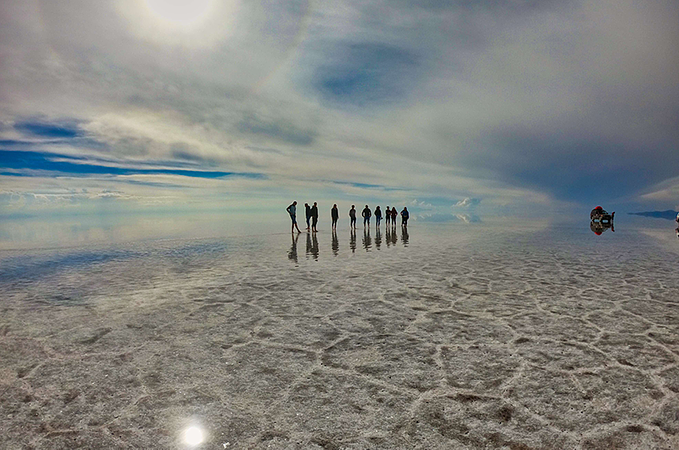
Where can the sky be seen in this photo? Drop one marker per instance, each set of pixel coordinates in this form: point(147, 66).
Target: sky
point(452, 107)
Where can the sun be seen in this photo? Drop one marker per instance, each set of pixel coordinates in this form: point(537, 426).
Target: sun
point(182, 13)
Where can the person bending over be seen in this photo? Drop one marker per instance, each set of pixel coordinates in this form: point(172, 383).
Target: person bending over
point(292, 210)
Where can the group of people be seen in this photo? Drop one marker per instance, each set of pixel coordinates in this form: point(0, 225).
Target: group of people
point(311, 213)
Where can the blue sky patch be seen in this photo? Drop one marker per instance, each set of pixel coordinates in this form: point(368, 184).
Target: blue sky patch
point(362, 74)
point(48, 130)
point(80, 166)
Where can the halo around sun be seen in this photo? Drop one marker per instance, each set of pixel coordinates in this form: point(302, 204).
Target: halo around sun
point(182, 13)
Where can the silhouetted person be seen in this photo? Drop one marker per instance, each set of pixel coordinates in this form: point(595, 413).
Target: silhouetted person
point(378, 216)
point(394, 216)
point(366, 213)
point(292, 210)
point(314, 217)
point(307, 215)
point(405, 215)
point(367, 240)
point(352, 217)
point(292, 254)
point(335, 242)
point(352, 240)
point(378, 238)
point(334, 214)
point(387, 217)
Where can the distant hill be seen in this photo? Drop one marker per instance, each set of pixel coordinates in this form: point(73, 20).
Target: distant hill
point(669, 214)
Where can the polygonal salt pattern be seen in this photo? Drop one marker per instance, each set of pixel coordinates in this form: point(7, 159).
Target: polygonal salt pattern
point(468, 338)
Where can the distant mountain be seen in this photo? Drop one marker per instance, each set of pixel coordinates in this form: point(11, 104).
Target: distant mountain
point(669, 214)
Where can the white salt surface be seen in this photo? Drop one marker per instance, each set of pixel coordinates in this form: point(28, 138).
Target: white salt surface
point(460, 337)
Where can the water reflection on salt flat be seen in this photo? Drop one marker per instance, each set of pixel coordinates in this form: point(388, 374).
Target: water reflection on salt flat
point(342, 242)
point(204, 340)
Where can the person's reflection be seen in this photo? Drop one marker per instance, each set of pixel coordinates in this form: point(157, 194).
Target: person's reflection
point(335, 242)
point(404, 236)
point(378, 238)
point(387, 237)
point(394, 237)
point(292, 254)
point(352, 240)
point(314, 246)
point(367, 240)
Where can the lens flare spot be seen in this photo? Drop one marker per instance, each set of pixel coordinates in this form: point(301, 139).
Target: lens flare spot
point(193, 436)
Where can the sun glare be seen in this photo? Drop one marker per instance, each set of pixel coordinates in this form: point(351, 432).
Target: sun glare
point(193, 436)
point(180, 12)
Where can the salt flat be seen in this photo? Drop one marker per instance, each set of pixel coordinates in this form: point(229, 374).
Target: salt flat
point(461, 337)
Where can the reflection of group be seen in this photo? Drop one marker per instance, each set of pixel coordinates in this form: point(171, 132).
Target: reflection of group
point(312, 248)
point(311, 215)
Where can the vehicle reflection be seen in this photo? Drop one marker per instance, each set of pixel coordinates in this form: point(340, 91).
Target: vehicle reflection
point(598, 227)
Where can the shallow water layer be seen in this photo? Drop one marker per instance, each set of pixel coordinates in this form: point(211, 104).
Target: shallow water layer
point(447, 336)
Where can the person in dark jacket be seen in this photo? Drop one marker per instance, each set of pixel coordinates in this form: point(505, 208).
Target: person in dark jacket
point(334, 214)
point(405, 215)
point(378, 216)
point(352, 217)
point(394, 216)
point(366, 213)
point(387, 216)
point(307, 214)
point(314, 217)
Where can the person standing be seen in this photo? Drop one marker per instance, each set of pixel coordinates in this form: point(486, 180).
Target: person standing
point(366, 213)
point(334, 214)
point(314, 217)
point(394, 216)
point(405, 215)
point(387, 216)
point(307, 215)
point(292, 210)
point(352, 216)
point(378, 216)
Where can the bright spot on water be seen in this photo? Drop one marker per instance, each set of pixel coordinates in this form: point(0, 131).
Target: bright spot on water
point(180, 12)
point(193, 436)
